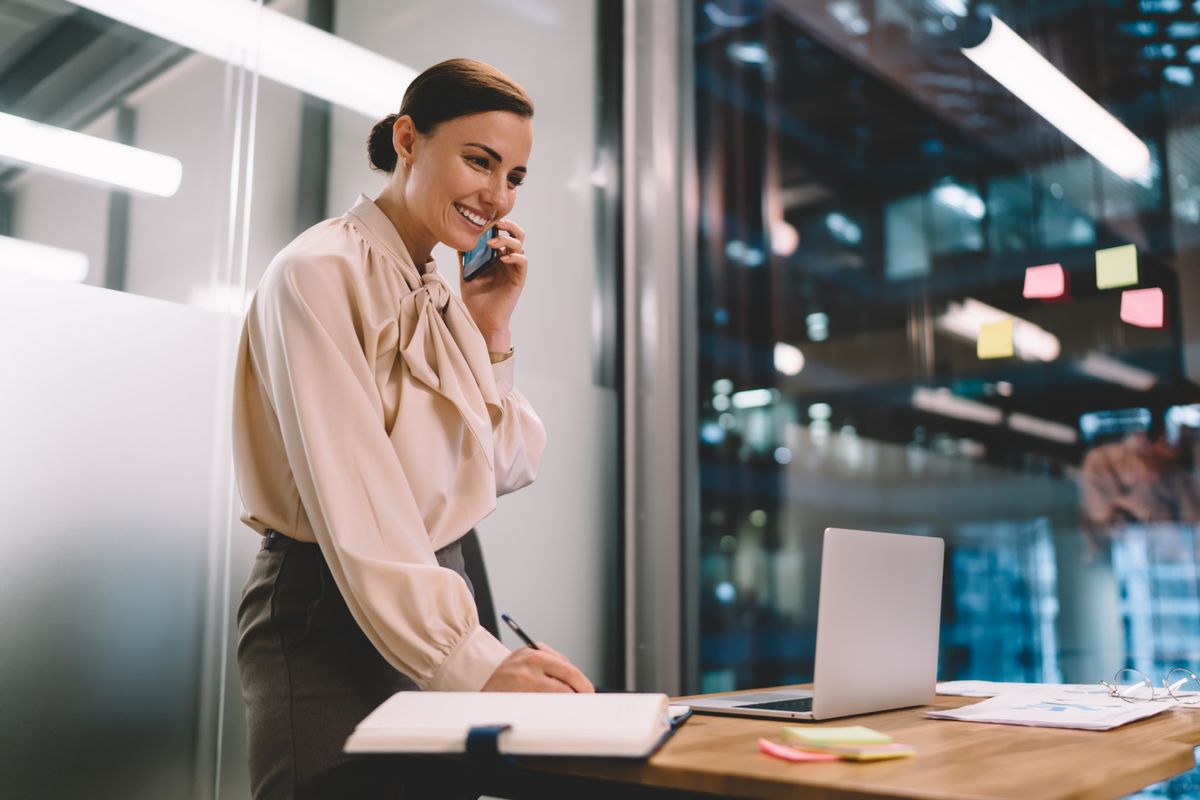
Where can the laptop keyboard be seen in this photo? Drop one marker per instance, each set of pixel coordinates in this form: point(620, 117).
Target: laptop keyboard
point(800, 704)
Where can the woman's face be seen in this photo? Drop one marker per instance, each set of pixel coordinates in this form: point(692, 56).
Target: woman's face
point(464, 175)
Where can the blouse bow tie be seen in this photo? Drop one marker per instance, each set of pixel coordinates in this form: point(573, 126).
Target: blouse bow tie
point(444, 350)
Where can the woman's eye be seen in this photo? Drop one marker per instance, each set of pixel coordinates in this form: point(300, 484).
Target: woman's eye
point(514, 181)
point(478, 161)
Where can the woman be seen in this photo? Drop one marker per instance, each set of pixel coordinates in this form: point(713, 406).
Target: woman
point(375, 423)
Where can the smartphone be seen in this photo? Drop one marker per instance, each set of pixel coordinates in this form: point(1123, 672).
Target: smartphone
point(477, 260)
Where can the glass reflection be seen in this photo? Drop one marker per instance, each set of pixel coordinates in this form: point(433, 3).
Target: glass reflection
point(922, 185)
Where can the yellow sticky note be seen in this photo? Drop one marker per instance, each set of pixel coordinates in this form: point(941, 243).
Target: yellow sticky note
point(853, 735)
point(1116, 266)
point(995, 339)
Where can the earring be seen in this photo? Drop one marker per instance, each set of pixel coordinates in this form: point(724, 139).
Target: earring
point(407, 163)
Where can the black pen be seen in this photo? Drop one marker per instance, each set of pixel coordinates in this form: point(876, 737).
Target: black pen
point(512, 623)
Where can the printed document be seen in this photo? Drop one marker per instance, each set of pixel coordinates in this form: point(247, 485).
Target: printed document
point(1061, 706)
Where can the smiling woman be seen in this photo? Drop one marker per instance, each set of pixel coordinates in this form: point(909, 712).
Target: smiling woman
point(375, 424)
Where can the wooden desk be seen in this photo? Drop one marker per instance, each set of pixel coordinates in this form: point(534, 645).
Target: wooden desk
point(714, 755)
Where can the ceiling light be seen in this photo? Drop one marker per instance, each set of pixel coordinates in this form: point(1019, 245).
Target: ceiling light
point(277, 46)
point(1107, 368)
point(1030, 342)
point(843, 228)
point(785, 239)
point(42, 260)
point(742, 253)
point(848, 13)
point(24, 141)
point(1023, 71)
point(817, 324)
point(948, 404)
point(1044, 428)
point(748, 53)
point(820, 411)
point(961, 200)
point(753, 398)
point(788, 358)
point(956, 7)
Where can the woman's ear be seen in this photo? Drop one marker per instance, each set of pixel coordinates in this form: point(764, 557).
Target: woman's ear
point(404, 135)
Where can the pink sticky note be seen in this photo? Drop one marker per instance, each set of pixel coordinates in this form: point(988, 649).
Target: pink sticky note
point(791, 753)
point(1045, 282)
point(1142, 307)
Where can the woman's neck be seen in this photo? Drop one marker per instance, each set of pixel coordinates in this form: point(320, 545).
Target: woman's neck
point(417, 241)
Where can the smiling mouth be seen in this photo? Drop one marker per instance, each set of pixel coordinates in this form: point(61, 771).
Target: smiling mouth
point(470, 216)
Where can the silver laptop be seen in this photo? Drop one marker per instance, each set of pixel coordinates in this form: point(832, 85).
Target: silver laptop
point(877, 632)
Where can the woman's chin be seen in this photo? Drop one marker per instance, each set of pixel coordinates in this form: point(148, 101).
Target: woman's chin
point(460, 243)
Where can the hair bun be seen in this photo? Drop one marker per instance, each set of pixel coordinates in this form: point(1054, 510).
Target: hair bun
point(380, 150)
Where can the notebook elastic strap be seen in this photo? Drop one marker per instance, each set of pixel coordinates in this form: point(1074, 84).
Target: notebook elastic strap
point(483, 745)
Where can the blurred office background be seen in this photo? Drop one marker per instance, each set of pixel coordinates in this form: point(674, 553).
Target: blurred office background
point(765, 237)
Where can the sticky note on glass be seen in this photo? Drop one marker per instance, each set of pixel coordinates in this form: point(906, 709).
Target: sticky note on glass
point(1116, 266)
point(1046, 282)
point(995, 339)
point(853, 735)
point(1143, 307)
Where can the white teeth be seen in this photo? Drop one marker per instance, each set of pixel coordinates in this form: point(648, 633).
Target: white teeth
point(478, 220)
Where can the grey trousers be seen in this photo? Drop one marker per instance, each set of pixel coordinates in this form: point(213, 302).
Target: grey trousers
point(309, 675)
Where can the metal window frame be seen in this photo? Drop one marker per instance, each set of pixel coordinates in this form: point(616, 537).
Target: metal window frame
point(661, 491)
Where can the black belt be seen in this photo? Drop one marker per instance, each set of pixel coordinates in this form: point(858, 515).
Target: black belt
point(275, 540)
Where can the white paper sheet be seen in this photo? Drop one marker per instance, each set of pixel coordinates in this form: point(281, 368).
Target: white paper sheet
point(993, 688)
point(1054, 706)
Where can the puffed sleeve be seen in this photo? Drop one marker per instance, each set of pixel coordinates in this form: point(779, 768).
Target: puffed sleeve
point(305, 347)
point(520, 437)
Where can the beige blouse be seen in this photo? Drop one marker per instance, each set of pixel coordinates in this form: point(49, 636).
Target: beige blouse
point(368, 417)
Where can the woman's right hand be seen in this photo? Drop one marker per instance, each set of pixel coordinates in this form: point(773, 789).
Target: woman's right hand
point(541, 670)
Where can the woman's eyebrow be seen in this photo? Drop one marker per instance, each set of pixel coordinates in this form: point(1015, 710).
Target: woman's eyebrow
point(494, 155)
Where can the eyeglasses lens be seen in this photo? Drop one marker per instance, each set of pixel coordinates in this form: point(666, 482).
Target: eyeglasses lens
point(1133, 685)
point(1184, 685)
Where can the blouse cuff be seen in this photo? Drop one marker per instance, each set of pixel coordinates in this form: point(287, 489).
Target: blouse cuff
point(503, 372)
point(470, 663)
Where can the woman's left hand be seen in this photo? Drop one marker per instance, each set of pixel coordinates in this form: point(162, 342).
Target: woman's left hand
point(492, 296)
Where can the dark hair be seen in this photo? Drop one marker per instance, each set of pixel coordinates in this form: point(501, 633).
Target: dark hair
point(445, 91)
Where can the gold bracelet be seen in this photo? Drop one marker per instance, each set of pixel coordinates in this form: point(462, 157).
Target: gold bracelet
point(498, 357)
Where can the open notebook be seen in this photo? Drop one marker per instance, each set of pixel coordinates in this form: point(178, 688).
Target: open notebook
point(614, 725)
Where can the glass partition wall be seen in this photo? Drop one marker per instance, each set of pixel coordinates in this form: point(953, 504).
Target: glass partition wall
point(948, 284)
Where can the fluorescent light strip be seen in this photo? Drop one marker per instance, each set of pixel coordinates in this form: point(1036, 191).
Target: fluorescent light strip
point(753, 398)
point(279, 47)
point(42, 260)
point(948, 404)
point(1023, 71)
point(1030, 342)
point(24, 141)
point(1107, 368)
point(1044, 428)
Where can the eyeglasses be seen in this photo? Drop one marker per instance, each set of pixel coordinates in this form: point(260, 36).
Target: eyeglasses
point(1181, 685)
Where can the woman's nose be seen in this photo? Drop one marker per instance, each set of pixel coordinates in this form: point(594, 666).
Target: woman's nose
point(499, 194)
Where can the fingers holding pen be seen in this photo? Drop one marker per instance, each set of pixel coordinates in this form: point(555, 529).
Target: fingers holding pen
point(529, 670)
point(555, 665)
